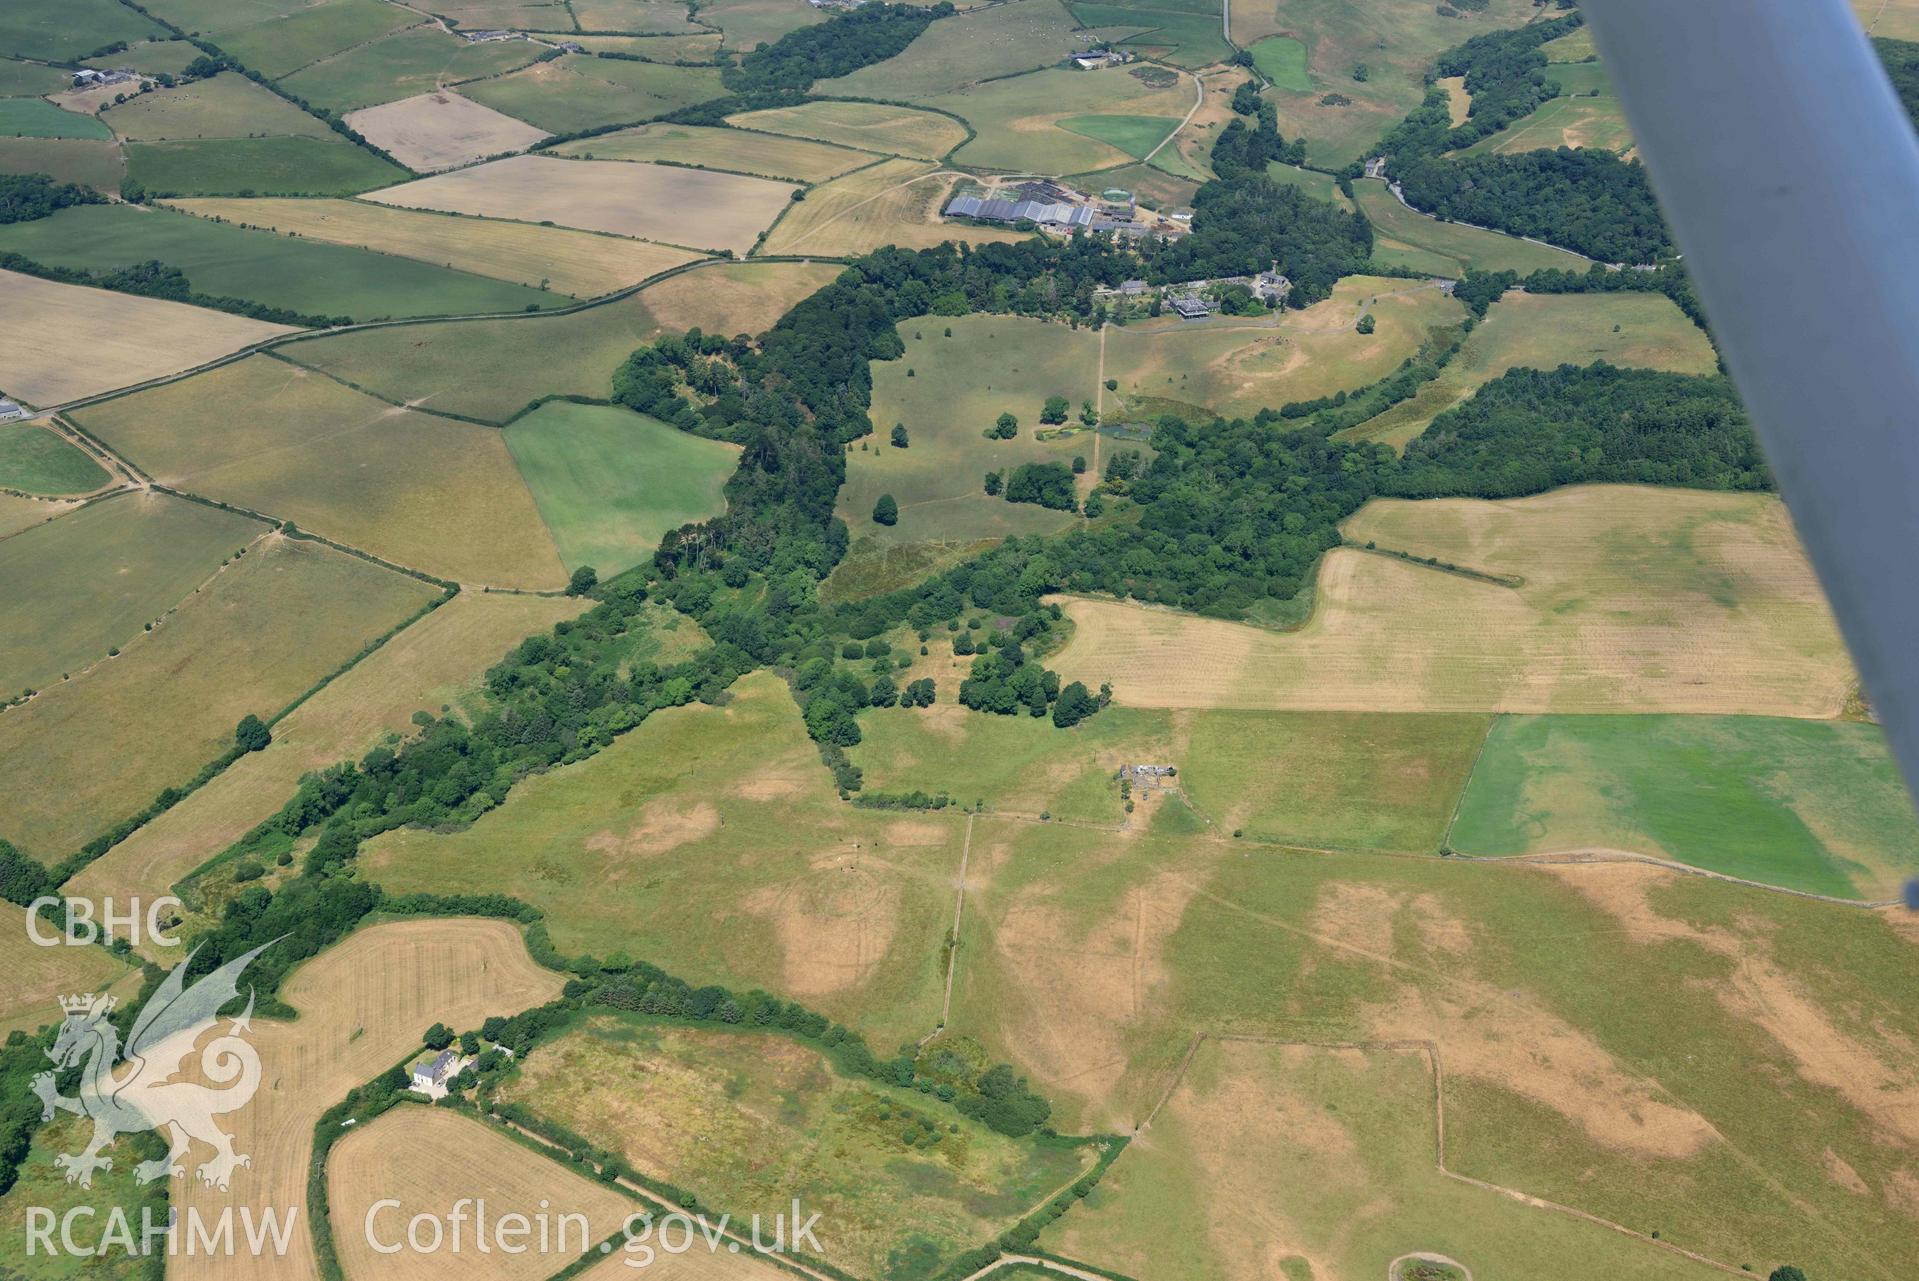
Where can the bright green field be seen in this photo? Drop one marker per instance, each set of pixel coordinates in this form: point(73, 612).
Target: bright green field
point(303, 275)
point(741, 1118)
point(1134, 135)
point(280, 46)
point(401, 65)
point(985, 44)
point(1808, 805)
point(41, 462)
point(609, 482)
point(30, 78)
point(152, 57)
point(1184, 36)
point(714, 835)
point(259, 167)
point(960, 386)
point(1404, 238)
point(750, 23)
point(38, 118)
point(1320, 186)
point(1282, 60)
point(576, 92)
point(59, 29)
point(88, 581)
point(82, 160)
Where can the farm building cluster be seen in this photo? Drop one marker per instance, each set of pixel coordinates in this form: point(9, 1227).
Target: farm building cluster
point(1058, 208)
point(90, 78)
point(1198, 299)
point(1094, 59)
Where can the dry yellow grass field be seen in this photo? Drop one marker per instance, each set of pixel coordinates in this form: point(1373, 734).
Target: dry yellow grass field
point(1632, 600)
point(1237, 366)
point(895, 202)
point(252, 639)
point(37, 975)
point(694, 207)
point(435, 663)
point(871, 126)
point(428, 1159)
point(18, 512)
point(737, 150)
point(421, 491)
point(68, 341)
point(439, 130)
point(581, 263)
point(363, 1005)
point(694, 1265)
point(1896, 19)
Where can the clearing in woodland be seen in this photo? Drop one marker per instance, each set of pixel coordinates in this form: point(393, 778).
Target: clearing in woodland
point(492, 369)
point(1236, 366)
point(363, 1004)
point(129, 339)
point(610, 483)
point(694, 207)
point(1586, 114)
point(894, 202)
point(257, 636)
point(1544, 331)
point(735, 150)
point(80, 585)
point(1628, 599)
point(870, 126)
point(1808, 805)
point(1331, 1152)
point(714, 834)
point(949, 392)
point(1408, 239)
point(441, 130)
point(1340, 116)
point(433, 666)
point(582, 264)
point(422, 491)
point(742, 1118)
point(432, 1157)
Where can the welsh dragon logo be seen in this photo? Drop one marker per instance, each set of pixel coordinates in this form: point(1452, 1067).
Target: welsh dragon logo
point(132, 1089)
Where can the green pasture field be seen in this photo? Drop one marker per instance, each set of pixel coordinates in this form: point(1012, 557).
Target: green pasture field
point(1579, 47)
point(1544, 331)
point(43, 1186)
point(492, 369)
point(610, 483)
point(715, 835)
point(699, 46)
point(1173, 162)
point(960, 386)
point(31, 78)
point(403, 64)
point(256, 637)
point(741, 1118)
point(258, 167)
point(869, 126)
point(1320, 186)
point(1282, 60)
point(1184, 36)
point(1018, 119)
point(1396, 40)
point(1404, 238)
point(1134, 135)
point(61, 29)
point(632, 16)
point(82, 160)
point(280, 46)
point(39, 461)
point(38, 118)
point(301, 274)
point(575, 92)
point(1341, 780)
point(747, 24)
point(1015, 764)
point(737, 150)
point(985, 44)
point(418, 490)
point(1586, 114)
point(211, 17)
point(1091, 958)
point(226, 106)
point(90, 580)
point(1354, 1188)
point(1153, 186)
point(1807, 805)
point(152, 57)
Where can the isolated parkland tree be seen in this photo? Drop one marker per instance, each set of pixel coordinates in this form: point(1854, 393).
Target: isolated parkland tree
point(886, 511)
point(898, 437)
point(1006, 427)
point(1055, 410)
